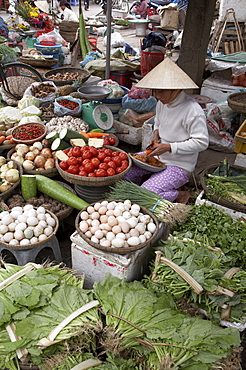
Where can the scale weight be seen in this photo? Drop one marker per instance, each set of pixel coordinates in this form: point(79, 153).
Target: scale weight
point(97, 115)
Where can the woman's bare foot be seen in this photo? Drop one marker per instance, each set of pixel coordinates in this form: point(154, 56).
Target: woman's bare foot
point(183, 197)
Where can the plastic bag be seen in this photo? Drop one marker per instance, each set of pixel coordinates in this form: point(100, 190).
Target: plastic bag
point(131, 118)
point(138, 93)
point(219, 138)
point(139, 105)
point(154, 38)
point(48, 98)
point(116, 90)
point(60, 110)
point(92, 55)
point(116, 40)
point(52, 36)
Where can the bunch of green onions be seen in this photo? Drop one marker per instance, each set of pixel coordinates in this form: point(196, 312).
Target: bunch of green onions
point(164, 210)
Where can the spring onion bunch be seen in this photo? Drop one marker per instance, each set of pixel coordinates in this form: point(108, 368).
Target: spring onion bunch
point(165, 211)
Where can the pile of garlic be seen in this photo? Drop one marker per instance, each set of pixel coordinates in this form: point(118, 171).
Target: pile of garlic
point(26, 225)
point(116, 224)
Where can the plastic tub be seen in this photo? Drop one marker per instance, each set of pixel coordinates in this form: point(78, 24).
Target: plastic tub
point(48, 50)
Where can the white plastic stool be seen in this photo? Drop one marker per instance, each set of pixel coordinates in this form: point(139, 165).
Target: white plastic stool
point(29, 255)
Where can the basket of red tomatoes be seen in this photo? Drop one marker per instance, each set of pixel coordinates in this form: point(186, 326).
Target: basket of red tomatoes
point(90, 166)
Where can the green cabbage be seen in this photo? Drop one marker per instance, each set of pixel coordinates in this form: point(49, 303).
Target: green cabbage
point(31, 119)
point(28, 100)
point(32, 110)
point(10, 115)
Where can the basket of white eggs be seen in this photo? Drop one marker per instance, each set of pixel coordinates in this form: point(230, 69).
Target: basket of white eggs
point(116, 226)
point(27, 227)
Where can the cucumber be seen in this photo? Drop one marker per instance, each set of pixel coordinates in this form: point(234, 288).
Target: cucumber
point(28, 186)
point(67, 134)
point(52, 136)
point(59, 144)
point(58, 192)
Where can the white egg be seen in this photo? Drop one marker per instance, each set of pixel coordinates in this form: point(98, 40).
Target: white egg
point(8, 236)
point(42, 237)
point(4, 229)
point(19, 235)
point(14, 242)
point(84, 215)
point(110, 236)
point(135, 206)
point(121, 236)
point(105, 243)
point(127, 204)
point(42, 223)
point(95, 223)
point(112, 221)
point(88, 234)
point(121, 219)
point(95, 215)
point(94, 239)
point(134, 232)
point(116, 229)
point(133, 241)
point(99, 234)
point(104, 219)
point(133, 221)
point(97, 206)
point(41, 209)
point(15, 214)
point(25, 242)
point(110, 206)
point(83, 226)
point(48, 231)
point(141, 227)
point(17, 209)
point(147, 234)
point(117, 243)
point(104, 203)
point(32, 221)
point(41, 216)
point(126, 214)
point(134, 212)
point(27, 207)
point(105, 232)
point(7, 219)
point(38, 230)
point(144, 219)
point(108, 227)
point(28, 233)
point(142, 238)
point(89, 221)
point(151, 227)
point(90, 209)
point(34, 240)
point(93, 229)
point(102, 210)
point(117, 212)
point(22, 218)
point(32, 213)
point(110, 212)
point(21, 226)
point(51, 221)
point(2, 214)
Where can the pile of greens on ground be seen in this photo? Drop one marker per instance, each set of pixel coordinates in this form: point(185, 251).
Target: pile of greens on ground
point(7, 54)
point(128, 328)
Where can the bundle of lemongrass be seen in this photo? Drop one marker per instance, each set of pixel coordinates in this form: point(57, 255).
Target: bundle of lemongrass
point(165, 211)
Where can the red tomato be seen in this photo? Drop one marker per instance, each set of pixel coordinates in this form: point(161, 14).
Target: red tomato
point(83, 173)
point(112, 140)
point(108, 152)
point(117, 161)
point(107, 159)
point(72, 161)
point(110, 172)
point(115, 154)
point(87, 154)
point(123, 156)
point(70, 152)
point(94, 151)
point(125, 164)
point(119, 169)
point(103, 166)
point(112, 164)
point(73, 169)
point(106, 141)
point(100, 173)
point(101, 156)
point(63, 165)
point(91, 174)
point(85, 161)
point(79, 160)
point(95, 162)
point(89, 167)
point(65, 151)
point(76, 151)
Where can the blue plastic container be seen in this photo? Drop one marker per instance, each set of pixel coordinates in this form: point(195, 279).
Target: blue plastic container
point(48, 50)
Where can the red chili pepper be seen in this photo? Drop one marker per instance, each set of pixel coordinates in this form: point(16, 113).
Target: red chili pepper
point(68, 104)
point(28, 132)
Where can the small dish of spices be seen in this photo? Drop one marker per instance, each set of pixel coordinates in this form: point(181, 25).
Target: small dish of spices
point(28, 133)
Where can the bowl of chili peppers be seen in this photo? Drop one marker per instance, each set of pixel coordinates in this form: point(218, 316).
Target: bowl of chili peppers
point(28, 133)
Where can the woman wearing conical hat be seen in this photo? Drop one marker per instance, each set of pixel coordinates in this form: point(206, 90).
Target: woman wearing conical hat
point(180, 128)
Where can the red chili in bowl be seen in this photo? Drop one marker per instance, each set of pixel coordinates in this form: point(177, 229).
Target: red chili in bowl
point(28, 132)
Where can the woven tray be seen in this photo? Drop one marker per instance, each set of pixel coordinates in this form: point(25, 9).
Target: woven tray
point(7, 193)
point(48, 173)
point(118, 250)
point(45, 63)
point(84, 75)
point(30, 246)
point(94, 181)
point(215, 198)
point(237, 102)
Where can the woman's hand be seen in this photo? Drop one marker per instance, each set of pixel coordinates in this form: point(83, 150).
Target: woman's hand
point(160, 149)
point(154, 139)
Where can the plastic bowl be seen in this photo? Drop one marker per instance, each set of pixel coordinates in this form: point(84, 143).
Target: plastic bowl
point(48, 50)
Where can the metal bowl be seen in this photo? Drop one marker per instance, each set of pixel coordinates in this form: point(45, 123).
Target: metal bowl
point(94, 92)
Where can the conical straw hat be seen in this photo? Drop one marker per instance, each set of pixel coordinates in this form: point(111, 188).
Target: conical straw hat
point(167, 75)
point(42, 5)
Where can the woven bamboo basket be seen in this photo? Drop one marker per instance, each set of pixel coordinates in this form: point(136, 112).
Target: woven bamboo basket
point(216, 198)
point(94, 181)
point(83, 74)
point(237, 102)
point(7, 193)
point(118, 250)
point(30, 246)
point(44, 63)
point(48, 173)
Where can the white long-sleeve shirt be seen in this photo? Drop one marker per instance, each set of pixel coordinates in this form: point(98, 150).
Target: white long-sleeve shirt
point(182, 124)
point(69, 15)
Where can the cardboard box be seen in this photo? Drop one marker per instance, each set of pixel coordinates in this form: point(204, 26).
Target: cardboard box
point(170, 19)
